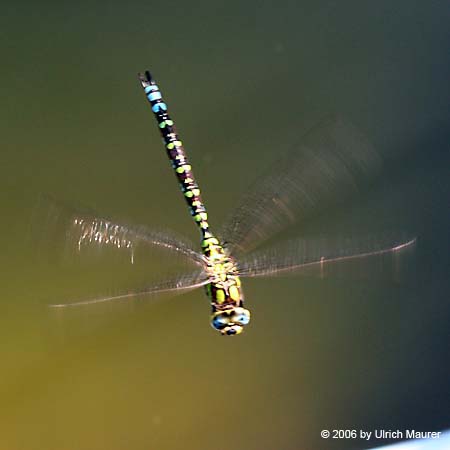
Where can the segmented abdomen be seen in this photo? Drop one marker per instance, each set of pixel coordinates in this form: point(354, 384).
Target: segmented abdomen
point(176, 153)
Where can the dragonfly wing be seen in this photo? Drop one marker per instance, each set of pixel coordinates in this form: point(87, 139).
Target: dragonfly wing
point(331, 162)
point(172, 286)
point(325, 256)
point(63, 229)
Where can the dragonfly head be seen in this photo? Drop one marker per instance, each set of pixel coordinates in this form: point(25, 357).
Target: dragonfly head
point(230, 322)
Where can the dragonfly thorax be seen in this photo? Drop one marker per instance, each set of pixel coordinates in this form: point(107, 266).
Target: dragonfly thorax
point(224, 291)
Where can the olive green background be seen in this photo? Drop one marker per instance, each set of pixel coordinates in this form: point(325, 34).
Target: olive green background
point(241, 79)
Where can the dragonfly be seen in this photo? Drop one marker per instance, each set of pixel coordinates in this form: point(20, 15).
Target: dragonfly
point(332, 162)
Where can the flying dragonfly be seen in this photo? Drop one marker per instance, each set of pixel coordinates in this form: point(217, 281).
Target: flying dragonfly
point(331, 163)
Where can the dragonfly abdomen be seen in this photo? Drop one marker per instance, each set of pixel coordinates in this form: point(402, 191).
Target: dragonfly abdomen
point(176, 153)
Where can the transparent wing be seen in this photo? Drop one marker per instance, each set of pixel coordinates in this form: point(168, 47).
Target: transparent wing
point(173, 286)
point(96, 255)
point(63, 229)
point(331, 162)
point(318, 256)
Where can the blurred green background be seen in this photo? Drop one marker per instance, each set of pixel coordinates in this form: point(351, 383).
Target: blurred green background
point(319, 354)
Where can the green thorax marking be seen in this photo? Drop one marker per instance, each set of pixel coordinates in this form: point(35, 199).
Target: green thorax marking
point(224, 290)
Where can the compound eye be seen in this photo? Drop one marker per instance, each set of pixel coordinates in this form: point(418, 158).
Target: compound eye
point(241, 316)
point(220, 321)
